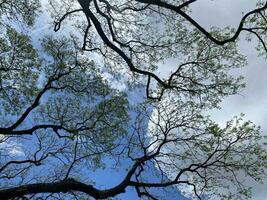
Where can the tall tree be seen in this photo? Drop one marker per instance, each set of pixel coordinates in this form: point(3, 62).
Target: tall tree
point(62, 118)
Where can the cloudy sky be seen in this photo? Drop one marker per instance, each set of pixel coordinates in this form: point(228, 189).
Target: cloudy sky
point(253, 100)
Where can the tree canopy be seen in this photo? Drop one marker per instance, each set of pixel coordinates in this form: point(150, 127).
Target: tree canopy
point(95, 95)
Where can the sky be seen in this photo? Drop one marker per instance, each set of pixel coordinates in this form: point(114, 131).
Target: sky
point(252, 101)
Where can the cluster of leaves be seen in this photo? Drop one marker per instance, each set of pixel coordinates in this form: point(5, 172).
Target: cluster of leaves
point(25, 10)
point(213, 158)
point(19, 71)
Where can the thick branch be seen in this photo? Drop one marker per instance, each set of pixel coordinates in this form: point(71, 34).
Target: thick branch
point(56, 187)
point(100, 31)
point(69, 185)
point(29, 131)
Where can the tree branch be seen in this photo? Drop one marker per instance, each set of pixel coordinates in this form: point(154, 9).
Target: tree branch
point(178, 10)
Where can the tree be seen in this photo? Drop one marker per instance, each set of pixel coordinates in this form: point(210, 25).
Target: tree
point(62, 118)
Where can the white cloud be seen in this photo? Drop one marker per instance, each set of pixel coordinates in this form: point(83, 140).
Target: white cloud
point(253, 100)
point(10, 147)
